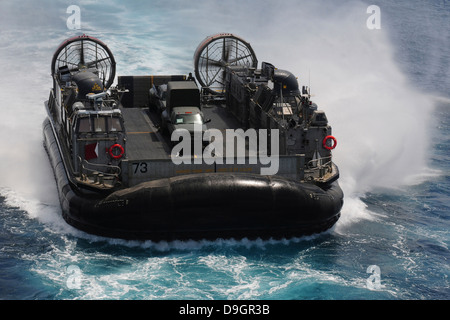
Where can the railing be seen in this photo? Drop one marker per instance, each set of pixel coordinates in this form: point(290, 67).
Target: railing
point(319, 163)
point(318, 168)
point(102, 175)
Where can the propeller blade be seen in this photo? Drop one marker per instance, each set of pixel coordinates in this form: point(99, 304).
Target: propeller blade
point(223, 49)
point(95, 62)
point(210, 62)
point(239, 58)
point(226, 50)
point(82, 53)
point(213, 79)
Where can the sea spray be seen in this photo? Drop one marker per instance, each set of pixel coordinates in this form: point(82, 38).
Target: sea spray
point(380, 119)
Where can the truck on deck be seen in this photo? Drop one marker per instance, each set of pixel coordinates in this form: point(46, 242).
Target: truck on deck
point(183, 109)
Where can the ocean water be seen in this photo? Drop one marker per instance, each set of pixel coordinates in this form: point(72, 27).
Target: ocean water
point(386, 94)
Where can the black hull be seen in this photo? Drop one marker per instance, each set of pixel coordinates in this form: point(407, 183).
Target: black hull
point(203, 206)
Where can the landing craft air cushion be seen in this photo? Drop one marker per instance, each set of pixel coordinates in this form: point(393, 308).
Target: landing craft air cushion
point(115, 172)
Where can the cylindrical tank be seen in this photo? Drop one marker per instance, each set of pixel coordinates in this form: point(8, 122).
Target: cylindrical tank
point(87, 82)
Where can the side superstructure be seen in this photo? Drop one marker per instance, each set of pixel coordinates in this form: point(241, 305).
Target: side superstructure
point(86, 119)
point(270, 98)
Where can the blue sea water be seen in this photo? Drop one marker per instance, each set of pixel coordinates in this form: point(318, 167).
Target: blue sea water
point(386, 94)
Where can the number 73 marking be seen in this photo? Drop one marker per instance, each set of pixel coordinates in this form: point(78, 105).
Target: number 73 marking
point(140, 167)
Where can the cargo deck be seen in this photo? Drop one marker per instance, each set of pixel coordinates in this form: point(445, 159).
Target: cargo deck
point(146, 142)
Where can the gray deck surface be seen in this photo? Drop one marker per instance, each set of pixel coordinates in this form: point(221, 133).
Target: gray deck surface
point(145, 141)
point(220, 117)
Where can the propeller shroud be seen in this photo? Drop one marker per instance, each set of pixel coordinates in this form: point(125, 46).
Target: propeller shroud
point(85, 52)
point(215, 54)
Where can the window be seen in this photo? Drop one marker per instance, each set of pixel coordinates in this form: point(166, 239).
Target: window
point(99, 124)
point(188, 119)
point(84, 125)
point(114, 124)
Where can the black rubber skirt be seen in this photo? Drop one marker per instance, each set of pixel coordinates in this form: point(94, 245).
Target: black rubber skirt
point(202, 206)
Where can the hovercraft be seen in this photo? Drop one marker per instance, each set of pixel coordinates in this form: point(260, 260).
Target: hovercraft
point(150, 158)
